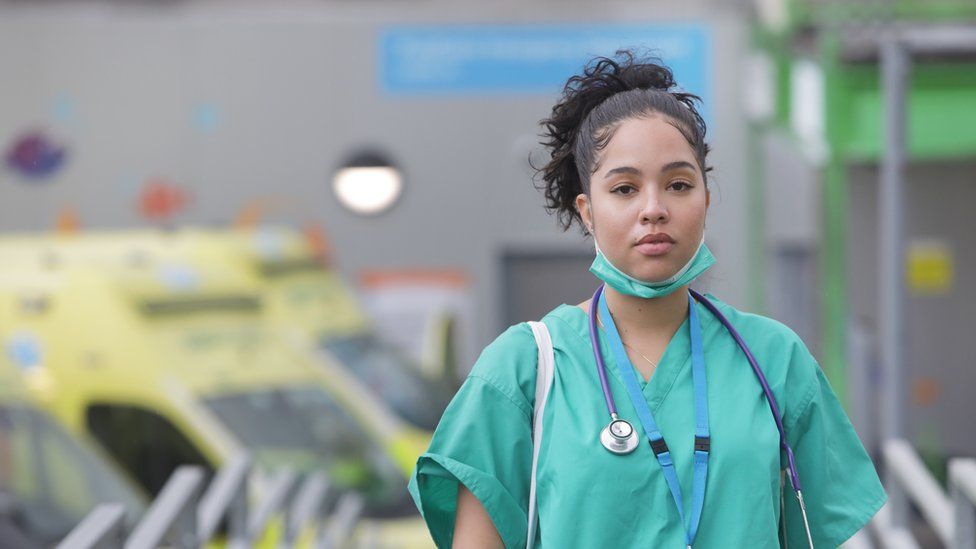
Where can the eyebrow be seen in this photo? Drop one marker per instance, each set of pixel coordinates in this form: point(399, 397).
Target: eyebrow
point(666, 168)
point(678, 164)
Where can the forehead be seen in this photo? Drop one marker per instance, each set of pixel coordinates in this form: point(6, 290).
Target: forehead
point(646, 142)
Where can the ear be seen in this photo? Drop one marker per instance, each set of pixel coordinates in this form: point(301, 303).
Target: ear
point(708, 198)
point(583, 207)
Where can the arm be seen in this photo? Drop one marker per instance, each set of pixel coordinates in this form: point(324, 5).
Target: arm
point(473, 528)
point(483, 442)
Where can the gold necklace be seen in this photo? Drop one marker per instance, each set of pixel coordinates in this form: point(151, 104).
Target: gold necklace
point(600, 322)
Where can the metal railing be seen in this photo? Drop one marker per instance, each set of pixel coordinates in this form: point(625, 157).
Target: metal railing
point(342, 522)
point(172, 516)
point(186, 513)
point(103, 528)
point(962, 490)
point(227, 497)
point(953, 519)
point(279, 489)
point(307, 508)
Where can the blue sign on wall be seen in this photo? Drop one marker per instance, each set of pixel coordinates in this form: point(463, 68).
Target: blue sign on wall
point(529, 59)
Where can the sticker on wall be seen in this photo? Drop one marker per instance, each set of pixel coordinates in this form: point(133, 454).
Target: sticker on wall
point(161, 200)
point(926, 391)
point(128, 183)
point(253, 211)
point(68, 221)
point(64, 110)
point(929, 267)
point(318, 239)
point(35, 155)
point(206, 117)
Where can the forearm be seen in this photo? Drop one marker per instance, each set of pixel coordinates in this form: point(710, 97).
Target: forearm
point(473, 528)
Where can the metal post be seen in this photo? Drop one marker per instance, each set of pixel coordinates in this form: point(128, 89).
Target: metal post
point(275, 499)
point(342, 523)
point(908, 471)
point(890, 535)
point(306, 508)
point(895, 67)
point(174, 511)
point(860, 540)
point(227, 496)
point(962, 488)
point(103, 528)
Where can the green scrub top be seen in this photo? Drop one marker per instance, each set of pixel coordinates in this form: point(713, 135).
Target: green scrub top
point(589, 497)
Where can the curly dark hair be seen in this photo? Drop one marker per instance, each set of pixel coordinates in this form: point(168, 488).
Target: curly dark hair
point(592, 106)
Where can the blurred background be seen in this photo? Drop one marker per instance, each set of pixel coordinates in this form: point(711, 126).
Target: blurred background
point(249, 250)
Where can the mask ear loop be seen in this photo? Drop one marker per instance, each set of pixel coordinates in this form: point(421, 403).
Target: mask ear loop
point(592, 229)
point(589, 209)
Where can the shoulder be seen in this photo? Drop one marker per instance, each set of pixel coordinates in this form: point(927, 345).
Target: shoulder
point(508, 364)
point(763, 328)
point(510, 361)
point(781, 353)
point(762, 332)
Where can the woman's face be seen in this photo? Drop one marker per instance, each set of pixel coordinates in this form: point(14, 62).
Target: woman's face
point(647, 201)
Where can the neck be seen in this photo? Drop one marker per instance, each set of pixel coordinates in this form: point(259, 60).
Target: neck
point(648, 316)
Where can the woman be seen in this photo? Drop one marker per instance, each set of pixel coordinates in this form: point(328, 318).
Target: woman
point(628, 163)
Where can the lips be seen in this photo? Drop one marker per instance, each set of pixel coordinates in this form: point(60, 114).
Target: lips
point(655, 244)
point(656, 238)
point(655, 248)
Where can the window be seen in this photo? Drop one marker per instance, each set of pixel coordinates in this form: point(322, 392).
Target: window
point(49, 481)
point(143, 442)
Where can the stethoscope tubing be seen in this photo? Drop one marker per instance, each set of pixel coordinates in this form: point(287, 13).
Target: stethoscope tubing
point(774, 409)
point(601, 367)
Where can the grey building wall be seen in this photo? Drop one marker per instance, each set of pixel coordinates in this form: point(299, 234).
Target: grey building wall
point(938, 376)
point(295, 85)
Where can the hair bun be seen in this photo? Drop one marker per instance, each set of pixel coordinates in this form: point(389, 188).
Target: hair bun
point(607, 76)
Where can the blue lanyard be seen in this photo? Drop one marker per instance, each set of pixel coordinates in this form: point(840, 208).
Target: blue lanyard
point(658, 445)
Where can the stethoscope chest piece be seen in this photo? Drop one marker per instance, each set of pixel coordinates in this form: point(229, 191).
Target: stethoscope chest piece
point(619, 437)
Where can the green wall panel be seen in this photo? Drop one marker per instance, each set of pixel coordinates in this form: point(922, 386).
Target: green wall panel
point(941, 112)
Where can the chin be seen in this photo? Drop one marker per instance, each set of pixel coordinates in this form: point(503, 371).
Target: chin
point(651, 276)
point(655, 269)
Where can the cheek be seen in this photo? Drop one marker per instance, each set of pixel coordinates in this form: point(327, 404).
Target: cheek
point(694, 213)
point(607, 212)
point(613, 226)
point(701, 217)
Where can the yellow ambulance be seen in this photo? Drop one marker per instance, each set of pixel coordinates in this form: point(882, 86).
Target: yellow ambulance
point(309, 302)
point(49, 480)
point(166, 362)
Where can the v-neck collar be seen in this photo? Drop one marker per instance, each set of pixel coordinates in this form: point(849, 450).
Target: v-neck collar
point(675, 359)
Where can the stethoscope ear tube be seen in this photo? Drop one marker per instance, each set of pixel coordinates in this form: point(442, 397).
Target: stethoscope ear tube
point(791, 467)
point(794, 477)
point(601, 367)
point(619, 436)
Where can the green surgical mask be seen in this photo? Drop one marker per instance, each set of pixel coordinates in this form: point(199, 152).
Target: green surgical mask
point(625, 284)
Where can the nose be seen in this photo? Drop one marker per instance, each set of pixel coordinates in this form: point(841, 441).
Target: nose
point(655, 210)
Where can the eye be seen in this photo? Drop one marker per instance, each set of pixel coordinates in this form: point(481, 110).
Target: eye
point(680, 185)
point(624, 190)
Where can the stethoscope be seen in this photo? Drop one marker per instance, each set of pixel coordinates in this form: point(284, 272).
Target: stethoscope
point(620, 437)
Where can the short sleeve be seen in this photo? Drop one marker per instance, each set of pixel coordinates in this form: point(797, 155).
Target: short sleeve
point(483, 441)
point(841, 488)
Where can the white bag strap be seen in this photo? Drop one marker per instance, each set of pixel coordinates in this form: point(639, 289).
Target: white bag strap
point(543, 381)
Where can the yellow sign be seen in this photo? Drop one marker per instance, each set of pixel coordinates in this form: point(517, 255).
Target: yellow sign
point(929, 267)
